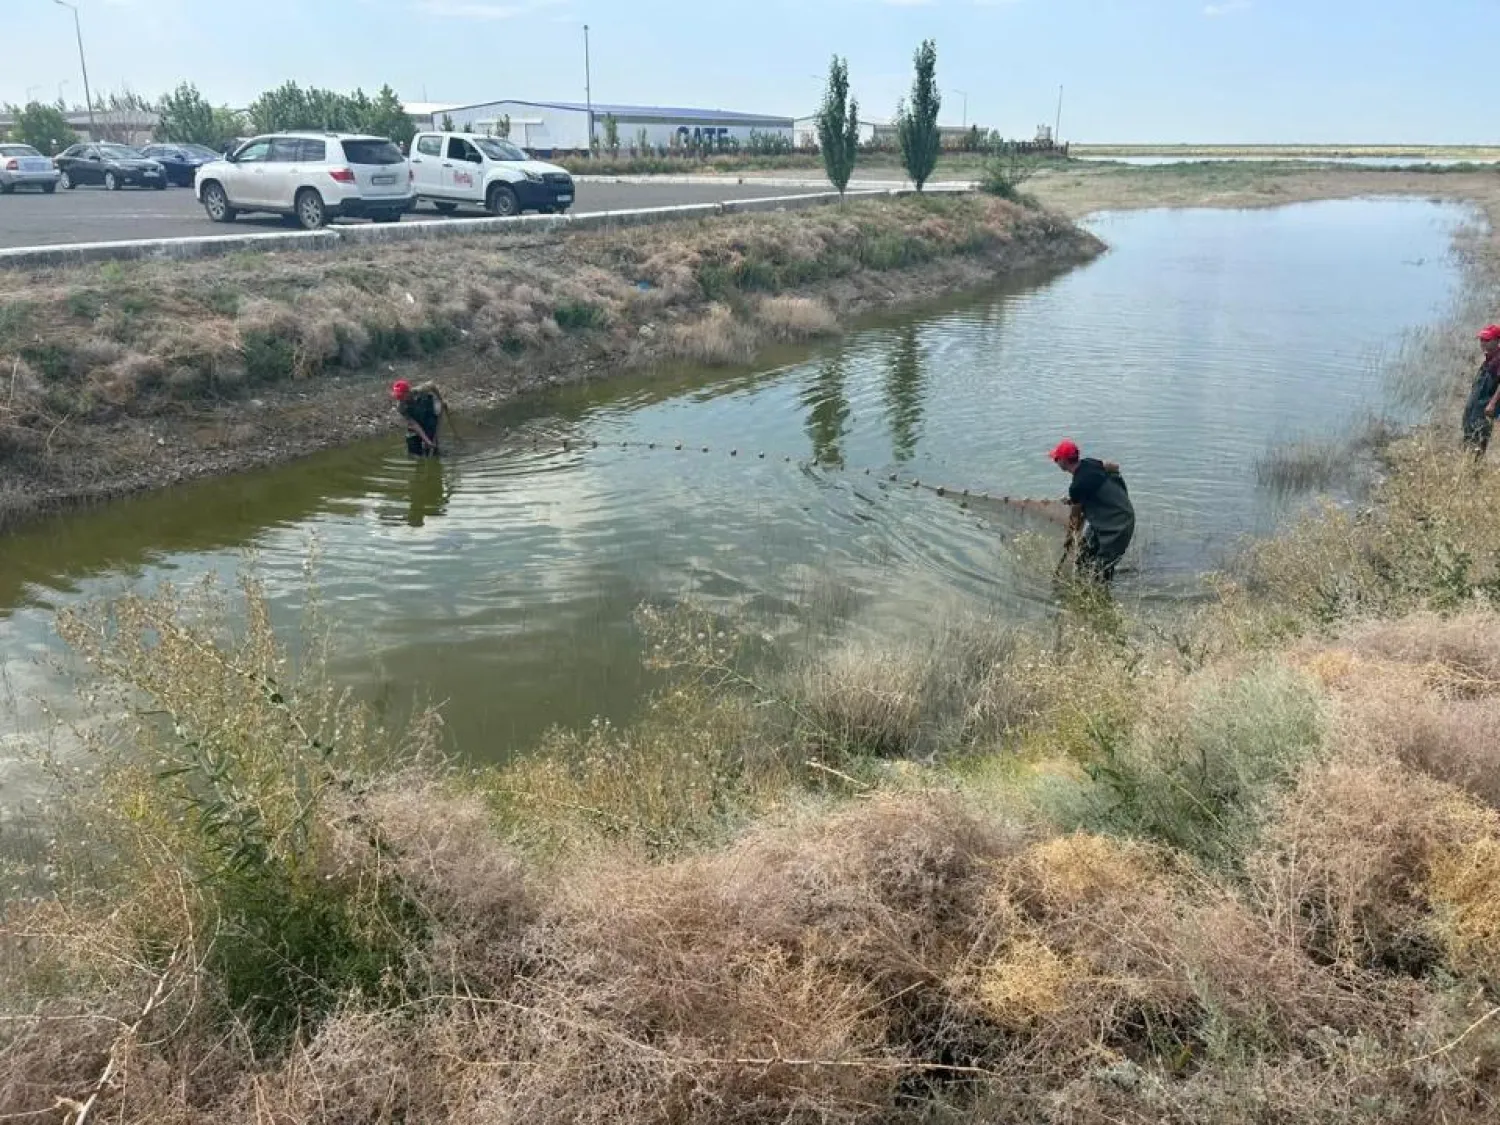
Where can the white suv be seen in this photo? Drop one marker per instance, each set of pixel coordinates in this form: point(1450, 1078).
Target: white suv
point(312, 176)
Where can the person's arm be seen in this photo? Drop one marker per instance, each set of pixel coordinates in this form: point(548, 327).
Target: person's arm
point(1494, 403)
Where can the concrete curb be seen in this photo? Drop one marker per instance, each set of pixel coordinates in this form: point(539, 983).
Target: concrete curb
point(331, 238)
point(775, 181)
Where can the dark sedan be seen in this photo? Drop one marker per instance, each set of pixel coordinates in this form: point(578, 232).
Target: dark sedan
point(114, 166)
point(180, 162)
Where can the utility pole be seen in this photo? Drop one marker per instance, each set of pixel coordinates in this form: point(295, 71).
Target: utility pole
point(1057, 129)
point(83, 64)
point(588, 86)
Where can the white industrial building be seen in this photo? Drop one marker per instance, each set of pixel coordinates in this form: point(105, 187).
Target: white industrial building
point(550, 127)
point(805, 132)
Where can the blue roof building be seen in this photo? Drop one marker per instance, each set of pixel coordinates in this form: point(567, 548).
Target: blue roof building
point(555, 126)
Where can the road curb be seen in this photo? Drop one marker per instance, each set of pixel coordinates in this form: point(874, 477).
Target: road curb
point(332, 238)
point(774, 181)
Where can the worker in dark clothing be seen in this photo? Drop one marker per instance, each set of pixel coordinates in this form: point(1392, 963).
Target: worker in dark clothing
point(1484, 399)
point(422, 407)
point(1101, 509)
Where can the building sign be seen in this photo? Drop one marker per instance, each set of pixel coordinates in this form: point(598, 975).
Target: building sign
point(702, 138)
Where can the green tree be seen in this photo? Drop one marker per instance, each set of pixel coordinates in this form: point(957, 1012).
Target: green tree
point(43, 127)
point(385, 116)
point(229, 124)
point(447, 123)
point(285, 107)
point(289, 106)
point(838, 126)
point(611, 133)
point(187, 118)
point(917, 119)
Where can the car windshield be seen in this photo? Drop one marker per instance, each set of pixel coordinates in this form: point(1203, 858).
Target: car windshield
point(120, 152)
point(18, 150)
point(372, 152)
point(200, 150)
point(499, 150)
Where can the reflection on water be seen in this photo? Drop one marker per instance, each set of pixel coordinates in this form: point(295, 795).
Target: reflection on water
point(827, 407)
point(502, 580)
point(903, 392)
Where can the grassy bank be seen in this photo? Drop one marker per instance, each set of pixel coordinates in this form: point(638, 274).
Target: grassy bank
point(1237, 865)
point(1317, 152)
point(136, 374)
point(1082, 188)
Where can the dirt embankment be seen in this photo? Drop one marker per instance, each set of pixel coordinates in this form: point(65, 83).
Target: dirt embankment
point(131, 376)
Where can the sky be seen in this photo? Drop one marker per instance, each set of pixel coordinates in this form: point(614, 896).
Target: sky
point(1132, 71)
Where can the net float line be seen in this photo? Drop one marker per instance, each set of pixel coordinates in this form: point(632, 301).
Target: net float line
point(1055, 510)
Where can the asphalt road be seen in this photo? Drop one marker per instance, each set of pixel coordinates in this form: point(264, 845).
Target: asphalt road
point(90, 214)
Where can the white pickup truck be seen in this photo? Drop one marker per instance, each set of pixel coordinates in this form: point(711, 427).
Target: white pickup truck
point(454, 169)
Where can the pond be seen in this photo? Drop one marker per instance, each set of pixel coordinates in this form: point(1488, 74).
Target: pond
point(504, 580)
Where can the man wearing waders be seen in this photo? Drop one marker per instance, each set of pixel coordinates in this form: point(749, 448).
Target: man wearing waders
point(1101, 508)
point(1479, 411)
point(422, 407)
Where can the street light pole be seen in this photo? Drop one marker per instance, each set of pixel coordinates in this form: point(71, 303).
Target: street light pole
point(588, 86)
point(88, 97)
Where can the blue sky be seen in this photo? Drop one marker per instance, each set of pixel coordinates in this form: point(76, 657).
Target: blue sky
point(1134, 70)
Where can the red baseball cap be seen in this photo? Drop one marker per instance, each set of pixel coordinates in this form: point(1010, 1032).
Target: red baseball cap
point(399, 388)
point(1066, 451)
point(1492, 332)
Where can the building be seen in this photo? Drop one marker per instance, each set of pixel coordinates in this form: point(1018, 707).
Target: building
point(550, 127)
point(805, 133)
point(123, 126)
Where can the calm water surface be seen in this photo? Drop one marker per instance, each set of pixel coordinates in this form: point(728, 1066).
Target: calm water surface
point(503, 580)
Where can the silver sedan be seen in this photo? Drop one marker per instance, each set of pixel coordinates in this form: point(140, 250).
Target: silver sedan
point(23, 166)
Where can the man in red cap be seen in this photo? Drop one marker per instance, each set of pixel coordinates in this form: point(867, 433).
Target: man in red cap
point(422, 407)
point(1484, 399)
point(1098, 497)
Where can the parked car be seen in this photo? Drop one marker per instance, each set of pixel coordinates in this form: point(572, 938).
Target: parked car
point(23, 166)
point(450, 169)
point(180, 162)
point(314, 177)
point(114, 166)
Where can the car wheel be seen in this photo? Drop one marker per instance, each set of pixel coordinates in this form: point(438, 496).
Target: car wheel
point(446, 208)
point(160, 185)
point(216, 203)
point(311, 212)
point(502, 201)
point(66, 181)
point(111, 181)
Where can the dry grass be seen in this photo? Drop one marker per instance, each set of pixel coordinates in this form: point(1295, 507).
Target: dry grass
point(795, 318)
point(1240, 869)
point(126, 337)
point(653, 925)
